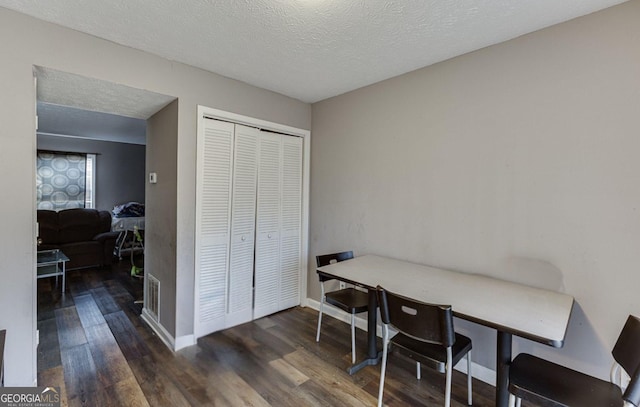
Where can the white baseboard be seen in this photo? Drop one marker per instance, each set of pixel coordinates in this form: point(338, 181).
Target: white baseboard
point(159, 330)
point(479, 372)
point(184, 341)
point(175, 344)
point(304, 302)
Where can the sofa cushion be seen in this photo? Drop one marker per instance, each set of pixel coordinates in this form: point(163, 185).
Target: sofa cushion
point(83, 254)
point(82, 234)
point(77, 225)
point(104, 223)
point(48, 227)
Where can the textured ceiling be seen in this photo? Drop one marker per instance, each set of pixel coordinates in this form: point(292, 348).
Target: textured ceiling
point(308, 49)
point(77, 106)
point(72, 122)
point(66, 89)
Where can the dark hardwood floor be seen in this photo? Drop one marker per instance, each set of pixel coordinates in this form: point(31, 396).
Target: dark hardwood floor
point(94, 345)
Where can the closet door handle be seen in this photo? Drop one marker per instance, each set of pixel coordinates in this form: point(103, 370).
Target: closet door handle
point(243, 238)
point(269, 235)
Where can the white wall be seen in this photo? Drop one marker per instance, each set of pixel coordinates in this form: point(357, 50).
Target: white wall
point(518, 161)
point(27, 42)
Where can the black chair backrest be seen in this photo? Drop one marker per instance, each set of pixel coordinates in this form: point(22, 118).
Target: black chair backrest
point(326, 259)
point(627, 353)
point(426, 322)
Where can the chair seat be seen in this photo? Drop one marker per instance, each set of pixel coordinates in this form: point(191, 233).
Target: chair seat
point(349, 300)
point(549, 384)
point(432, 355)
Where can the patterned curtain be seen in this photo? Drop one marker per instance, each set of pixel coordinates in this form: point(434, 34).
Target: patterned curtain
point(60, 180)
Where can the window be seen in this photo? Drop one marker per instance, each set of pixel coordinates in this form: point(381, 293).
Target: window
point(65, 180)
point(90, 180)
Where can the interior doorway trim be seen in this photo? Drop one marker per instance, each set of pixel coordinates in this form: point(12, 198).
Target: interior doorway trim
point(212, 113)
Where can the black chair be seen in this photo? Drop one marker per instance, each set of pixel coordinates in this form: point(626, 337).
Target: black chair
point(3, 334)
point(548, 384)
point(348, 299)
point(425, 334)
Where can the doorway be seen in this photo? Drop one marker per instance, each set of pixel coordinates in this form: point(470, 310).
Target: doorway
point(66, 101)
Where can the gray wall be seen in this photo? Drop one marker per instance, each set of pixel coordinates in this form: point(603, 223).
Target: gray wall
point(519, 161)
point(160, 259)
point(120, 175)
point(28, 42)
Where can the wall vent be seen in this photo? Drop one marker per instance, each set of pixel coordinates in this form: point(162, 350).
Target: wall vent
point(152, 297)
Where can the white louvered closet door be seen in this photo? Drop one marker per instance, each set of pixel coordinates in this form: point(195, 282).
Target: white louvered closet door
point(279, 224)
point(248, 224)
point(291, 222)
point(243, 217)
point(267, 263)
point(213, 213)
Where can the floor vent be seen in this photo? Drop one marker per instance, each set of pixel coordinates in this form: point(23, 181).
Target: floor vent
point(152, 297)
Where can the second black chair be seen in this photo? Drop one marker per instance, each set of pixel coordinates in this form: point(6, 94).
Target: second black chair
point(552, 385)
point(348, 299)
point(425, 334)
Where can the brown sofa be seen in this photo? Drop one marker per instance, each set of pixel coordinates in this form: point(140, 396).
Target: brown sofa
point(84, 235)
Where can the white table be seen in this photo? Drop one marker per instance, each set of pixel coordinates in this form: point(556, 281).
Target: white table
point(511, 308)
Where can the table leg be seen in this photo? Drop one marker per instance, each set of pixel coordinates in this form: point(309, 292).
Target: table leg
point(372, 326)
point(120, 242)
point(373, 356)
point(64, 275)
point(503, 360)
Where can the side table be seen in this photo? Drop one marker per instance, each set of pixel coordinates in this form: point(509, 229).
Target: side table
point(51, 263)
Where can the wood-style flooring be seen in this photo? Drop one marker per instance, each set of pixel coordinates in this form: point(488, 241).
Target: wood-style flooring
point(95, 347)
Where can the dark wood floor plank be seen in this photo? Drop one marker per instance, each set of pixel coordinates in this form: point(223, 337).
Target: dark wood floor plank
point(126, 393)
point(70, 330)
point(130, 342)
point(316, 394)
point(107, 356)
point(332, 346)
point(111, 365)
point(76, 284)
point(339, 382)
point(261, 343)
point(189, 382)
point(80, 376)
point(254, 370)
point(295, 376)
point(49, 301)
point(104, 300)
point(238, 392)
point(115, 288)
point(49, 346)
point(209, 371)
point(223, 386)
point(158, 388)
point(95, 278)
point(88, 311)
point(46, 304)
